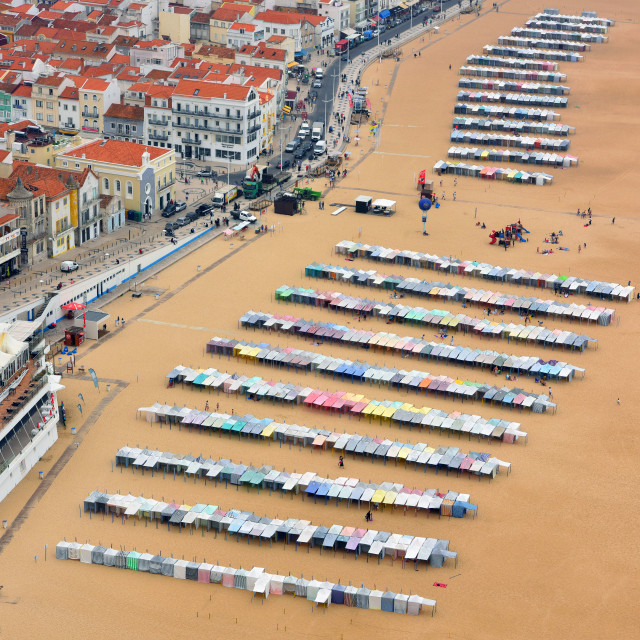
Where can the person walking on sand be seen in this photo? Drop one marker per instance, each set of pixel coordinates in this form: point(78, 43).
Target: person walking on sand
point(341, 461)
point(122, 322)
point(619, 401)
point(206, 406)
point(579, 248)
point(454, 196)
point(613, 221)
point(550, 393)
point(117, 321)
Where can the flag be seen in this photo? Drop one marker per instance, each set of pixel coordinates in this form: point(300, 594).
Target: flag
point(423, 176)
point(94, 377)
point(350, 102)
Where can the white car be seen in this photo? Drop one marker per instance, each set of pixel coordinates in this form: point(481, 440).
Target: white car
point(244, 216)
point(69, 265)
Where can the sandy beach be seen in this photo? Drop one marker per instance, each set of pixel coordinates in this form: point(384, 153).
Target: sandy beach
point(551, 553)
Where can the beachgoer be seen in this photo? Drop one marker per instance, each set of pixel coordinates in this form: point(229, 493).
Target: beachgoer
point(613, 221)
point(619, 401)
point(206, 406)
point(550, 393)
point(341, 461)
point(122, 322)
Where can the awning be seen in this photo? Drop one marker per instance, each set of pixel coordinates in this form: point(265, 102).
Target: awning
point(292, 64)
point(301, 53)
point(385, 14)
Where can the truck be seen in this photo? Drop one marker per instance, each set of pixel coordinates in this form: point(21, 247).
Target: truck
point(367, 35)
point(317, 131)
point(224, 195)
point(259, 181)
point(244, 216)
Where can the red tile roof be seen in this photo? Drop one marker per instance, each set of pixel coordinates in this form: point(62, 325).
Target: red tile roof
point(126, 111)
point(196, 88)
point(115, 152)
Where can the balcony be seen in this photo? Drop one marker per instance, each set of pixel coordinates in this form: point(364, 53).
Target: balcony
point(189, 125)
point(254, 128)
point(254, 114)
point(158, 136)
point(195, 141)
point(208, 114)
point(62, 229)
point(161, 123)
point(166, 186)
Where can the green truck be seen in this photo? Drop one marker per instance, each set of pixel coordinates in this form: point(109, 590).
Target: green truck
point(254, 188)
point(306, 193)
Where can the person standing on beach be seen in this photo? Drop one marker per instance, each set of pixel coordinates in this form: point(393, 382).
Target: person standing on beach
point(613, 221)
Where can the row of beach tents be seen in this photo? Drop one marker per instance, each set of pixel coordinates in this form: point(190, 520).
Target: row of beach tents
point(512, 62)
point(492, 173)
point(307, 484)
point(517, 87)
point(375, 449)
point(409, 346)
point(512, 74)
point(551, 35)
point(486, 271)
point(495, 111)
point(439, 319)
point(587, 17)
point(356, 371)
point(498, 140)
point(513, 126)
point(504, 155)
point(256, 581)
point(521, 99)
point(551, 24)
point(524, 52)
point(294, 531)
point(541, 43)
point(395, 413)
point(489, 299)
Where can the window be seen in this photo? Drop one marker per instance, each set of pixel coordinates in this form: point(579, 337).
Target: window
point(113, 125)
point(49, 117)
point(117, 186)
point(129, 188)
point(39, 103)
point(64, 201)
point(73, 108)
point(38, 116)
point(106, 184)
point(86, 96)
point(49, 105)
point(95, 98)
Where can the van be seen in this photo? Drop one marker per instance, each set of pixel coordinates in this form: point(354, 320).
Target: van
point(319, 74)
point(320, 148)
point(69, 265)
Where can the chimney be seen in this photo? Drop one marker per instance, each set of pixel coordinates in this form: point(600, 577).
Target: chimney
point(84, 156)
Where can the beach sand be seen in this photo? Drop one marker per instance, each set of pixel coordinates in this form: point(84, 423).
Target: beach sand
point(551, 553)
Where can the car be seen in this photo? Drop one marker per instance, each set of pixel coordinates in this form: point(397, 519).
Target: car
point(192, 216)
point(167, 213)
point(180, 206)
point(286, 164)
point(170, 227)
point(182, 222)
point(435, 10)
point(293, 145)
point(68, 266)
point(299, 154)
point(317, 84)
point(307, 146)
point(203, 209)
point(205, 172)
point(244, 216)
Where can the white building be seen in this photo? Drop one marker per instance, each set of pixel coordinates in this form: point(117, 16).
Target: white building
point(216, 122)
point(338, 11)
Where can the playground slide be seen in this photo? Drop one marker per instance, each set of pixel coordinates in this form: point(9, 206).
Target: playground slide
point(526, 230)
point(521, 238)
point(493, 238)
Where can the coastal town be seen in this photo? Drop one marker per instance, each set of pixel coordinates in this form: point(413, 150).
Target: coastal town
point(320, 301)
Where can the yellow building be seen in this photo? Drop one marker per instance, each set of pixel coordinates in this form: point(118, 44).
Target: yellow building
point(95, 96)
point(224, 17)
point(144, 177)
point(176, 23)
point(44, 96)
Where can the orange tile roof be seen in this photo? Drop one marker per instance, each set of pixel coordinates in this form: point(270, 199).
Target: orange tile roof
point(23, 90)
point(126, 111)
point(237, 26)
point(115, 152)
point(228, 15)
point(196, 88)
point(70, 93)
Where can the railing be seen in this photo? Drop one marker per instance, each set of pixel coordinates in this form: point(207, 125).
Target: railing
point(62, 229)
point(191, 141)
point(166, 186)
point(254, 114)
point(157, 136)
point(207, 114)
point(159, 123)
point(256, 127)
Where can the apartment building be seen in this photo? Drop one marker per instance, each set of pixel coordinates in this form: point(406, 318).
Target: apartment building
point(84, 194)
point(223, 18)
point(216, 121)
point(45, 97)
point(338, 11)
point(307, 31)
point(240, 34)
point(124, 122)
point(141, 175)
point(95, 96)
point(156, 53)
point(9, 241)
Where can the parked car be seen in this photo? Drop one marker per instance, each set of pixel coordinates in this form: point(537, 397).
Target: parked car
point(317, 84)
point(345, 58)
point(170, 227)
point(205, 172)
point(293, 145)
point(192, 216)
point(182, 222)
point(169, 210)
point(68, 266)
point(286, 164)
point(180, 206)
point(203, 210)
point(300, 154)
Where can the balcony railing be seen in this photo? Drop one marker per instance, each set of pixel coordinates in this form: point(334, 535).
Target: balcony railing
point(256, 127)
point(166, 186)
point(196, 141)
point(62, 229)
point(253, 114)
point(157, 136)
point(207, 114)
point(161, 123)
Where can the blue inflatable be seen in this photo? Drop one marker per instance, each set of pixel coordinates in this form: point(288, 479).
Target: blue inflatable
point(424, 204)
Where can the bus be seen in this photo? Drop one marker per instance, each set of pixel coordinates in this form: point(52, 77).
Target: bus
point(342, 46)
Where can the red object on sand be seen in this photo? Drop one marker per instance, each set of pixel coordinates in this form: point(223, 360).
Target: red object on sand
point(440, 584)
